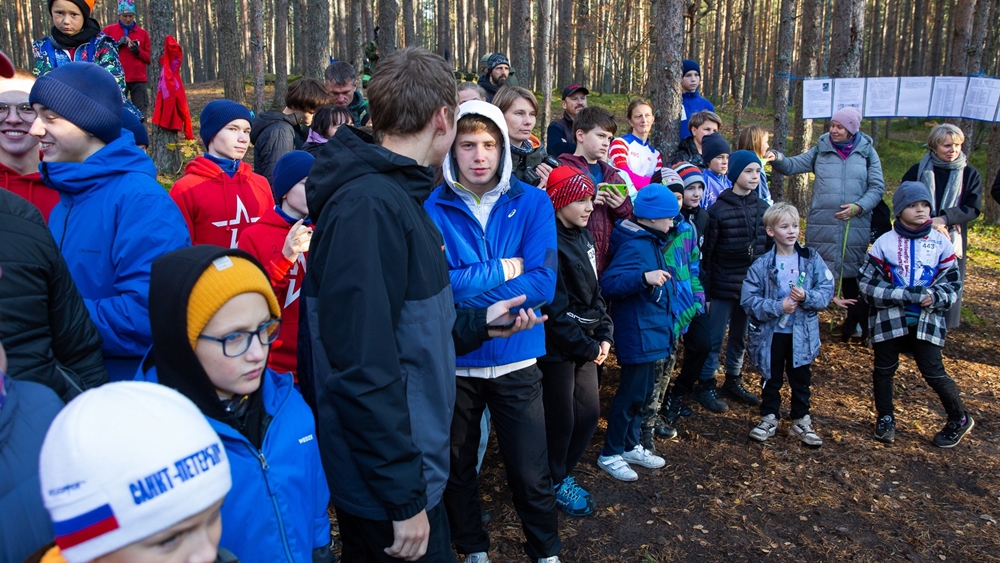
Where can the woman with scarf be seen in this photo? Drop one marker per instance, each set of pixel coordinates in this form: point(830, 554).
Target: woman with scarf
point(958, 196)
point(520, 110)
point(847, 188)
point(75, 36)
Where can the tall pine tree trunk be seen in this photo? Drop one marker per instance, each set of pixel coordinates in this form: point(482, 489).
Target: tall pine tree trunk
point(668, 71)
point(161, 24)
point(409, 25)
point(716, 76)
point(848, 38)
point(545, 24)
point(783, 71)
point(443, 23)
point(520, 39)
point(802, 130)
point(280, 52)
point(388, 19)
point(975, 62)
point(231, 58)
point(564, 46)
point(740, 76)
point(257, 52)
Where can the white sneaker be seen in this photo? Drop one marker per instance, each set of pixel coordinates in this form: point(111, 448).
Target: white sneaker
point(617, 467)
point(553, 559)
point(643, 458)
point(764, 430)
point(479, 557)
point(802, 429)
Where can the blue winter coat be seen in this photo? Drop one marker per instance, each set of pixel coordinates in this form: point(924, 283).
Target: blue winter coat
point(693, 103)
point(277, 508)
point(760, 299)
point(113, 219)
point(24, 420)
point(644, 324)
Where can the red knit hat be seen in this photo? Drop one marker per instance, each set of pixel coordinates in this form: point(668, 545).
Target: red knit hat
point(567, 184)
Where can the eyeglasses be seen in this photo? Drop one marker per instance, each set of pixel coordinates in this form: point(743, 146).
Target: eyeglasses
point(235, 344)
point(25, 111)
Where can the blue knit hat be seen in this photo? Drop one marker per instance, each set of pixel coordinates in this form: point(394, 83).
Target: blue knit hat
point(217, 114)
point(738, 161)
point(712, 146)
point(690, 65)
point(84, 94)
point(138, 130)
point(289, 171)
point(655, 201)
point(909, 193)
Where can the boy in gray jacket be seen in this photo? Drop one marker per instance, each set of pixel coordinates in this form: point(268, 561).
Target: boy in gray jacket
point(783, 291)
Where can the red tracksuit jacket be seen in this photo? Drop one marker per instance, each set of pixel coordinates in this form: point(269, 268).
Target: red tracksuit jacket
point(134, 65)
point(31, 188)
point(265, 241)
point(218, 208)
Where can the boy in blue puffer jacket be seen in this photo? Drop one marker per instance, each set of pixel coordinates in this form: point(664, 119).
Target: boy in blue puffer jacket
point(214, 317)
point(636, 281)
point(782, 294)
point(113, 218)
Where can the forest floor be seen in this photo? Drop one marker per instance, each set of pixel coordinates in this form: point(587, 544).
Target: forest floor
point(723, 497)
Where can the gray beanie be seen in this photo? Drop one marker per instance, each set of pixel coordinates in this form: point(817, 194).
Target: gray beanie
point(909, 193)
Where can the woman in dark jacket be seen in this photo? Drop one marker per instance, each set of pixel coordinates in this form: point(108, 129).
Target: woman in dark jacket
point(958, 195)
point(520, 109)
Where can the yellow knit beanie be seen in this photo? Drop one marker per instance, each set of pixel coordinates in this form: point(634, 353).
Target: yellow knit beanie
point(225, 278)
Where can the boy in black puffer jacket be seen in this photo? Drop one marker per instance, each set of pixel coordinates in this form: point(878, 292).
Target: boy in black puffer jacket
point(735, 235)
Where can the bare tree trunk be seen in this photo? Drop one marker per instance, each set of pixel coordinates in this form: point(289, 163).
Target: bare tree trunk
point(161, 24)
point(545, 63)
point(740, 76)
point(717, 54)
point(564, 48)
point(388, 19)
point(409, 25)
point(357, 37)
point(280, 52)
point(668, 71)
point(230, 42)
point(257, 52)
point(783, 71)
point(974, 63)
point(848, 38)
point(875, 58)
point(802, 130)
point(520, 39)
point(582, 33)
point(443, 28)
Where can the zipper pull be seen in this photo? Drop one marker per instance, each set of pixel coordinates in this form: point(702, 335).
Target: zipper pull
point(263, 461)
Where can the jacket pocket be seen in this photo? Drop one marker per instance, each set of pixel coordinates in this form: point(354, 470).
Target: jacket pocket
point(654, 332)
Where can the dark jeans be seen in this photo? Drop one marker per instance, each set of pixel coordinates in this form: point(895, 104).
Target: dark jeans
point(928, 358)
point(726, 313)
point(138, 94)
point(518, 416)
point(697, 344)
point(625, 417)
point(572, 409)
point(364, 540)
point(799, 379)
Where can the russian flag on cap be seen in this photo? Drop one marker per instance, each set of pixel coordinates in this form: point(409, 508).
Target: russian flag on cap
point(85, 527)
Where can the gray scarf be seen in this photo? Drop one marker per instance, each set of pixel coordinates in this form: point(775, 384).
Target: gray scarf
point(925, 173)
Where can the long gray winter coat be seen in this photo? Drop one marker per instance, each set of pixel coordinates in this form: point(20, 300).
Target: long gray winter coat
point(760, 300)
point(858, 180)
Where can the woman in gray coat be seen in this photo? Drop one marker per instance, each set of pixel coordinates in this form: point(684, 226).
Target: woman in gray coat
point(847, 187)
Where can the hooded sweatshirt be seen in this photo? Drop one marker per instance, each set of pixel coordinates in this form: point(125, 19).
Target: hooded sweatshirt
point(218, 208)
point(31, 188)
point(274, 134)
point(692, 102)
point(113, 219)
point(278, 511)
point(510, 221)
point(265, 241)
point(380, 312)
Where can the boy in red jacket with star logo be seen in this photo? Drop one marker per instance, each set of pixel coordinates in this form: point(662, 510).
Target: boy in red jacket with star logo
point(219, 194)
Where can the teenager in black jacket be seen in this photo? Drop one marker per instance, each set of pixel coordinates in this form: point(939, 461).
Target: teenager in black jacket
point(578, 336)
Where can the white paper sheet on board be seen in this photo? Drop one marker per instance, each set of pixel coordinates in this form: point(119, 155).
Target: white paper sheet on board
point(948, 96)
point(981, 99)
point(817, 98)
point(848, 93)
point(914, 96)
point(881, 97)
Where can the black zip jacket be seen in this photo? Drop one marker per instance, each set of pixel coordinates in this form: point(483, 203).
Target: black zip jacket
point(735, 236)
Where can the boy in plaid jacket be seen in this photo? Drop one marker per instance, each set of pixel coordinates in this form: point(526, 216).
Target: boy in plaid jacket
point(911, 279)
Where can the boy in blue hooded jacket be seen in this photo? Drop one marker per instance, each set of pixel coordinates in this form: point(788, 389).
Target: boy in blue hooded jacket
point(113, 218)
point(636, 281)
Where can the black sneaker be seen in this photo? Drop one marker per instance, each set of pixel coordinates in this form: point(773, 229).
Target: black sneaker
point(734, 386)
point(885, 429)
point(709, 398)
point(953, 432)
point(646, 439)
point(664, 430)
point(674, 408)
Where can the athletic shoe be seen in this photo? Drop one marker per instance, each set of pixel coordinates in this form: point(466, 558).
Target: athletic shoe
point(553, 559)
point(572, 499)
point(646, 438)
point(802, 429)
point(734, 386)
point(953, 432)
point(479, 557)
point(617, 467)
point(709, 398)
point(885, 429)
point(663, 430)
point(764, 430)
point(643, 458)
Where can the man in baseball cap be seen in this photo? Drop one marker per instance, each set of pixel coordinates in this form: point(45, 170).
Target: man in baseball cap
point(560, 133)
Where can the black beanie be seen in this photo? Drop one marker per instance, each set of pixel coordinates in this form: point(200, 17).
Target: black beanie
point(85, 7)
point(85, 94)
point(712, 146)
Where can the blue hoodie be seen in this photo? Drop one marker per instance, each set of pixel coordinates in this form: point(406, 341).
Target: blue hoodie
point(693, 102)
point(112, 220)
point(277, 508)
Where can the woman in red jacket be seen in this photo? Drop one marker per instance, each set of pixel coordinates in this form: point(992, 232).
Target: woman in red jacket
point(280, 241)
point(134, 52)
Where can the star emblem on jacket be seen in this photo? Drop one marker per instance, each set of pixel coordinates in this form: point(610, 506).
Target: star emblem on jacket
point(241, 220)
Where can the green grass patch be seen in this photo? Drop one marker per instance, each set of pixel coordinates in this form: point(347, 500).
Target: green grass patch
point(969, 317)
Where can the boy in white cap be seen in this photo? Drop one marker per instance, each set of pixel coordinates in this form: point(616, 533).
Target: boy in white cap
point(132, 471)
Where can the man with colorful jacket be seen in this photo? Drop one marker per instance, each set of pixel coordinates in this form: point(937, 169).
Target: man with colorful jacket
point(134, 51)
point(500, 242)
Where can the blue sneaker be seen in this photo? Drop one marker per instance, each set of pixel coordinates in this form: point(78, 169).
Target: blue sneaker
point(572, 499)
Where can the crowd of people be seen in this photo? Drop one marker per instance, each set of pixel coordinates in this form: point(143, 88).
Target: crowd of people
point(201, 375)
